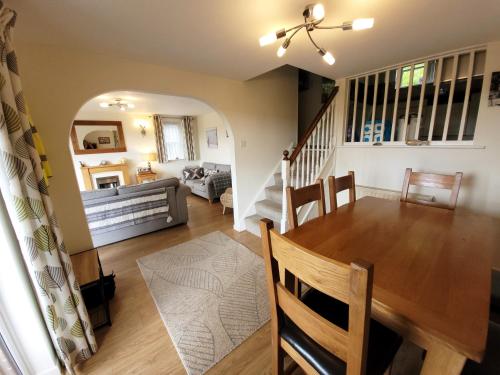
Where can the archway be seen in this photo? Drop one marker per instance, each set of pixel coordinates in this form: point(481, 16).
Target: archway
point(96, 139)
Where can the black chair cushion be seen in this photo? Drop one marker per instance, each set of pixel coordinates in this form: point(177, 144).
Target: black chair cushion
point(491, 361)
point(495, 292)
point(382, 345)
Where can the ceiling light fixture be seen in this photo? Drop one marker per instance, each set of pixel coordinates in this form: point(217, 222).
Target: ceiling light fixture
point(313, 15)
point(118, 103)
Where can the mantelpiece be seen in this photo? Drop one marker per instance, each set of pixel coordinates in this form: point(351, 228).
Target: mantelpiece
point(89, 174)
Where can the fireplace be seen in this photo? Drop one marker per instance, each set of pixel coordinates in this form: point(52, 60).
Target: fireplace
point(107, 182)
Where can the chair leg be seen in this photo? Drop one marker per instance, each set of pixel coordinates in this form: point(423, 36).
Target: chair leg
point(278, 360)
point(223, 210)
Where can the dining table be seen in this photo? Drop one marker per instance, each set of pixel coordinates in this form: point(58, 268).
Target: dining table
point(432, 271)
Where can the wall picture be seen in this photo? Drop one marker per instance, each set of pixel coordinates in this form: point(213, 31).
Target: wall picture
point(104, 140)
point(494, 97)
point(212, 140)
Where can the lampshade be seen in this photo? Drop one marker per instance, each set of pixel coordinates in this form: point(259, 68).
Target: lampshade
point(149, 156)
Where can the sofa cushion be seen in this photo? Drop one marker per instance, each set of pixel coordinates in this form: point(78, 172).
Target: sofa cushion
point(149, 185)
point(198, 185)
point(223, 167)
point(101, 193)
point(192, 173)
point(206, 165)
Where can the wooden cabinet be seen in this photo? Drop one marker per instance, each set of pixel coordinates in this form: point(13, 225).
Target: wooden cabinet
point(146, 177)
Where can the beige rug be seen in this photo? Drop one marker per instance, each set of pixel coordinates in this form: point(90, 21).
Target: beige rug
point(211, 295)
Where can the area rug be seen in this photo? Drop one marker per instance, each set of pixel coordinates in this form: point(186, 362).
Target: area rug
point(211, 295)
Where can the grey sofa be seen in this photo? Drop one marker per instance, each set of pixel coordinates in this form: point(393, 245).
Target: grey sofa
point(127, 211)
point(208, 188)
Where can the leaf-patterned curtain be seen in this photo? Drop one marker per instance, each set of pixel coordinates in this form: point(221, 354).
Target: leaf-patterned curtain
point(24, 188)
point(160, 139)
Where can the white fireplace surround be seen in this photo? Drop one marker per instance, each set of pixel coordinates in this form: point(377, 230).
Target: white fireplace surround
point(97, 175)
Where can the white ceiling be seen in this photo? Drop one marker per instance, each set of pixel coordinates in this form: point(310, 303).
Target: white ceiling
point(221, 37)
point(149, 103)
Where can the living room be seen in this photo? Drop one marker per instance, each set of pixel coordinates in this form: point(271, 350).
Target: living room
point(125, 138)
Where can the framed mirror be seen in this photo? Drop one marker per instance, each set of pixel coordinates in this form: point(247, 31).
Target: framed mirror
point(97, 137)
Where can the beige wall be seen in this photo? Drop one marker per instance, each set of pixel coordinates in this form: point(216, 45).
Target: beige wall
point(261, 113)
point(384, 167)
point(221, 154)
point(137, 146)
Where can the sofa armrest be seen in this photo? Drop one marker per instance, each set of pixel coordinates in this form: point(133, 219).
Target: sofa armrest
point(182, 192)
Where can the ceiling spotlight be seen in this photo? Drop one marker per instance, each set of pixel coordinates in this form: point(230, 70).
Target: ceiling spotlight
point(327, 56)
point(313, 15)
point(282, 50)
point(104, 105)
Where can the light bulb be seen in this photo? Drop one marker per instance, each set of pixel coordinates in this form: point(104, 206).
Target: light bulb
point(281, 51)
point(362, 23)
point(268, 39)
point(329, 59)
point(103, 105)
point(318, 12)
point(122, 108)
point(131, 105)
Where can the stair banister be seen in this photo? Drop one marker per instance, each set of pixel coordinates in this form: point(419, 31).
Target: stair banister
point(305, 163)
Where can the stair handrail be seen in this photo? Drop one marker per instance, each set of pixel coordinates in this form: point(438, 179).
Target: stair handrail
point(310, 128)
point(306, 169)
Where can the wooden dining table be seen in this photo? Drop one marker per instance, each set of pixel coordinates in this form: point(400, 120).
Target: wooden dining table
point(432, 271)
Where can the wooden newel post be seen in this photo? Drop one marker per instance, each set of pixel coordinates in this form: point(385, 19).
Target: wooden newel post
point(285, 175)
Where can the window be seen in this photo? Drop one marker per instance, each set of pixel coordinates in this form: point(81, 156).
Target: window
point(174, 138)
point(435, 101)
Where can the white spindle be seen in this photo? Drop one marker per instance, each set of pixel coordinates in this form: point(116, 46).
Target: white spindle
point(467, 95)
point(437, 85)
point(303, 162)
point(285, 175)
point(450, 97)
point(308, 169)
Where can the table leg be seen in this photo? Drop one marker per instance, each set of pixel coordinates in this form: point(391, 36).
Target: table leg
point(442, 360)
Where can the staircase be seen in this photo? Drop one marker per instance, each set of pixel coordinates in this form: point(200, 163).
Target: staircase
point(306, 163)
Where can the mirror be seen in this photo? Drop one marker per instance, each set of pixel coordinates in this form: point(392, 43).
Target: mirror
point(97, 137)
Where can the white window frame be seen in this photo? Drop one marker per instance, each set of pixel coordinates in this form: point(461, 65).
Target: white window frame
point(170, 149)
point(472, 51)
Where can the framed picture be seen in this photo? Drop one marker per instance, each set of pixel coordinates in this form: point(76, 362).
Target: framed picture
point(212, 140)
point(104, 140)
point(494, 96)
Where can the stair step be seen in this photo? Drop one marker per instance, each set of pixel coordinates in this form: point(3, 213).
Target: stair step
point(269, 209)
point(274, 193)
point(277, 179)
point(253, 224)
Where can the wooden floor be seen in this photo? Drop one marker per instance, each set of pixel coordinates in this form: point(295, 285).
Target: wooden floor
point(138, 342)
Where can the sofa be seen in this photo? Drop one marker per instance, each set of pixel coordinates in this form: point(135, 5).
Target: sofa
point(213, 185)
point(127, 211)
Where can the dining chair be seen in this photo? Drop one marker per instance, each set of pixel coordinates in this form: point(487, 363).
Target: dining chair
point(299, 197)
point(491, 360)
point(329, 329)
point(432, 180)
point(336, 185)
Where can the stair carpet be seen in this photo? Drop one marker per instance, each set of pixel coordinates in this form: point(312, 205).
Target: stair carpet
point(270, 207)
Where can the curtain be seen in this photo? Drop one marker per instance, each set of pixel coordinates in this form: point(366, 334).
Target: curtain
point(23, 185)
point(160, 139)
point(188, 134)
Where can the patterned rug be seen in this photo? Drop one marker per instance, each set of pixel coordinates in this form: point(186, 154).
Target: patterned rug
point(211, 295)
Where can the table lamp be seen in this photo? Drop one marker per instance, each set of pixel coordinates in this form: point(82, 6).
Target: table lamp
point(149, 157)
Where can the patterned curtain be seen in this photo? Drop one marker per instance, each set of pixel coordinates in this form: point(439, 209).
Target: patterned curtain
point(188, 133)
point(160, 139)
point(23, 186)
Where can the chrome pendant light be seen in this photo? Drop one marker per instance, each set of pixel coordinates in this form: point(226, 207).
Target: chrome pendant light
point(313, 16)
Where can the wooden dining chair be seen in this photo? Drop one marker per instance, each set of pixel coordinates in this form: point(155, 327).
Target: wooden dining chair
point(336, 185)
point(432, 180)
point(328, 330)
point(299, 197)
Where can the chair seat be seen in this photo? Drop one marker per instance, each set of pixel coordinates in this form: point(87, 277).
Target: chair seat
point(382, 345)
point(491, 361)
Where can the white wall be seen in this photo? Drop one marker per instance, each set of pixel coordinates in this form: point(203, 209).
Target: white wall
point(260, 113)
point(384, 166)
point(137, 145)
point(221, 154)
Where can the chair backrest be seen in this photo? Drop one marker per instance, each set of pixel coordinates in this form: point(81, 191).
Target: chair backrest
point(299, 197)
point(431, 180)
point(336, 185)
point(349, 284)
